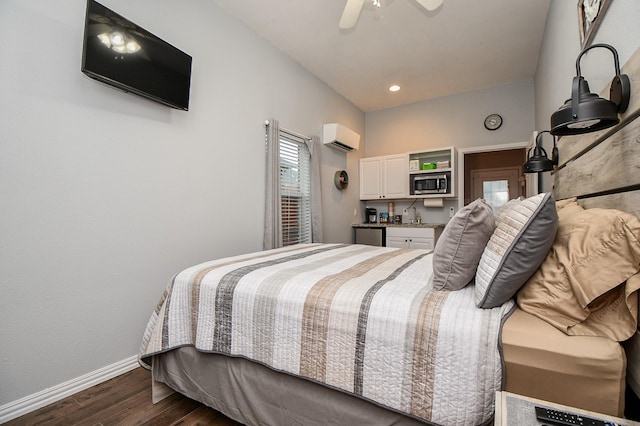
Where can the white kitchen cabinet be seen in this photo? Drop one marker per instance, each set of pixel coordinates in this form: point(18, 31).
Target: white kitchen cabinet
point(384, 177)
point(370, 178)
point(410, 237)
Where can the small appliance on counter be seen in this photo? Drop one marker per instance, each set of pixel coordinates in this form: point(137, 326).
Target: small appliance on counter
point(371, 215)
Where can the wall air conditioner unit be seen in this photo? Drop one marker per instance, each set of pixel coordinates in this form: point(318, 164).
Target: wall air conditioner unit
point(340, 137)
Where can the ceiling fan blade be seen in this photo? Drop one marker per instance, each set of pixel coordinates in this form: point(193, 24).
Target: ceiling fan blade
point(430, 5)
point(350, 14)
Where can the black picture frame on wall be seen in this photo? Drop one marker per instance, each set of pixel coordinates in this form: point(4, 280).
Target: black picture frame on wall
point(590, 15)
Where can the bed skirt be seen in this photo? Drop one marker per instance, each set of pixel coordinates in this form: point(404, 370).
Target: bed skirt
point(540, 362)
point(253, 394)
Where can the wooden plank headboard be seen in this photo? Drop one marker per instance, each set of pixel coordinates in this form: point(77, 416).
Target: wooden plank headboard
point(602, 168)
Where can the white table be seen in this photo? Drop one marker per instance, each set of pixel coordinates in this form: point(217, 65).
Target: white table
point(517, 410)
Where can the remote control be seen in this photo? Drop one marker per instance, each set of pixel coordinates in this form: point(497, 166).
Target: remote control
point(567, 419)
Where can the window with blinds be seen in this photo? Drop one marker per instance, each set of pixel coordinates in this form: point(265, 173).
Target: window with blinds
point(295, 190)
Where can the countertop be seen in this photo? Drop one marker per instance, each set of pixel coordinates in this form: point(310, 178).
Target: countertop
point(398, 225)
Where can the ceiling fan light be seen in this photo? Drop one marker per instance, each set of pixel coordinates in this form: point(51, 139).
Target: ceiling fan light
point(352, 10)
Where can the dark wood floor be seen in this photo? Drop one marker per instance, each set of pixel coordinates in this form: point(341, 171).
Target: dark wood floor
point(124, 400)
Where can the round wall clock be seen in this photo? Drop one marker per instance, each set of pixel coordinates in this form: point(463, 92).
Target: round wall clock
point(493, 122)
point(341, 179)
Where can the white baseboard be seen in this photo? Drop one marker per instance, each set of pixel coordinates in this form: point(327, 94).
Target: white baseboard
point(31, 403)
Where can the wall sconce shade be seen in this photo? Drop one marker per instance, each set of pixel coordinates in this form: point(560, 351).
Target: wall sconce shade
point(587, 112)
point(539, 161)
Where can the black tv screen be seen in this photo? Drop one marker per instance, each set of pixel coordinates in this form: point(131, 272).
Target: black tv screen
point(124, 55)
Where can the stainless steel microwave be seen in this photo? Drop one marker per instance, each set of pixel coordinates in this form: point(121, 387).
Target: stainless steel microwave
point(429, 183)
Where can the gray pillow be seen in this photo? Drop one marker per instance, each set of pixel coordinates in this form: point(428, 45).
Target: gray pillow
point(523, 236)
point(459, 248)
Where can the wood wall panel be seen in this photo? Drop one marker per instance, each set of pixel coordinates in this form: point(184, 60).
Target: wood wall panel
point(627, 201)
point(612, 164)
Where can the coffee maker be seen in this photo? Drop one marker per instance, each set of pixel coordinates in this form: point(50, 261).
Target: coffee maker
point(371, 215)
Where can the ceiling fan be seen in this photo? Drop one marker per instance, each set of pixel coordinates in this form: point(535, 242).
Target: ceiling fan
point(353, 8)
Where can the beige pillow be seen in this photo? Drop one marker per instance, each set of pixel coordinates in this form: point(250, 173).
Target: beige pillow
point(567, 202)
point(578, 287)
point(459, 248)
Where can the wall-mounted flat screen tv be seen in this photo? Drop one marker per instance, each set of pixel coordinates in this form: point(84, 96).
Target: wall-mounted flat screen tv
point(124, 55)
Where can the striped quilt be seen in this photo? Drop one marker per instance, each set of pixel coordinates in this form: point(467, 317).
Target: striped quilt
point(358, 318)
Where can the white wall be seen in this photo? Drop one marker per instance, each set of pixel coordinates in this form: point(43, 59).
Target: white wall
point(561, 47)
point(106, 195)
point(453, 121)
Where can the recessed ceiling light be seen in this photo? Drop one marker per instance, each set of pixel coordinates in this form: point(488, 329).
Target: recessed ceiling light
point(394, 88)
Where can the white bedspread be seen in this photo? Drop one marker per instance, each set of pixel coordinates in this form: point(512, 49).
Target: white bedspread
point(358, 318)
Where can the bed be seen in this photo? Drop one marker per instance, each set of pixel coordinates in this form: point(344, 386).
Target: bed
point(351, 334)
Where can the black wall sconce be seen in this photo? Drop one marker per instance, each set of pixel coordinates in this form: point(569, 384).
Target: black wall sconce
point(587, 112)
point(539, 161)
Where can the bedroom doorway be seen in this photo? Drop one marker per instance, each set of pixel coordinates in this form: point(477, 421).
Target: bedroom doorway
point(494, 173)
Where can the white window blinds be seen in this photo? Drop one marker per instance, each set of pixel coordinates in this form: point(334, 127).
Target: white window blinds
point(295, 189)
